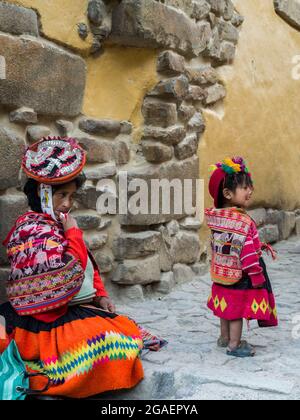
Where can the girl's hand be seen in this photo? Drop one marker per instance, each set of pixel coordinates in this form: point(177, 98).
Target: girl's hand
point(104, 303)
point(67, 221)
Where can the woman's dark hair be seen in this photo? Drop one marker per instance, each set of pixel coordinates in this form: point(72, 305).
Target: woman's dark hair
point(31, 191)
point(232, 182)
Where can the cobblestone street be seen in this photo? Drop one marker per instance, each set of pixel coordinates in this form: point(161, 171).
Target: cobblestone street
point(192, 367)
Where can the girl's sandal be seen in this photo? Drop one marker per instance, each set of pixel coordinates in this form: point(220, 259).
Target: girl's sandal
point(222, 342)
point(243, 350)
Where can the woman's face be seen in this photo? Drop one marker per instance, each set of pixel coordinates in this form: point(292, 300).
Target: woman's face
point(63, 198)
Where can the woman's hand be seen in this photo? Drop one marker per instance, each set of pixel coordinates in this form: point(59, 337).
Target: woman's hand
point(67, 221)
point(104, 303)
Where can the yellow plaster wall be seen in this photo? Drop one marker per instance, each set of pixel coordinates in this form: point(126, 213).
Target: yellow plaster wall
point(262, 109)
point(117, 83)
point(59, 19)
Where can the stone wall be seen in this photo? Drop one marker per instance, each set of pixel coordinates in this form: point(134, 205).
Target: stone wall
point(42, 92)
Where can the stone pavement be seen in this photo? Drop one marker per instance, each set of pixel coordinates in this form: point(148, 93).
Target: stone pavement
point(192, 367)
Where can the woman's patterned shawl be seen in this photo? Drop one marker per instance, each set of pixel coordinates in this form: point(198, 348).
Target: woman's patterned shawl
point(44, 276)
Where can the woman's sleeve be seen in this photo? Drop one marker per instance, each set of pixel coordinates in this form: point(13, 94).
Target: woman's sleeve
point(250, 259)
point(98, 285)
point(76, 245)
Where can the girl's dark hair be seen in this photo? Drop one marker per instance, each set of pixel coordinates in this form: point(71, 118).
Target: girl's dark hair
point(31, 191)
point(232, 182)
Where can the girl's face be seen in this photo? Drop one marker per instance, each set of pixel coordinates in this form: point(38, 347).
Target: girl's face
point(240, 198)
point(63, 198)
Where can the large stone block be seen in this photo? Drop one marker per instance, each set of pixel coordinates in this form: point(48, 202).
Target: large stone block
point(185, 248)
point(259, 216)
point(289, 10)
point(135, 245)
point(156, 152)
point(188, 147)
point(11, 151)
point(18, 20)
point(169, 136)
point(287, 224)
point(158, 113)
point(175, 88)
point(170, 63)
point(172, 176)
point(11, 207)
point(147, 23)
point(269, 234)
point(98, 151)
point(41, 76)
point(143, 271)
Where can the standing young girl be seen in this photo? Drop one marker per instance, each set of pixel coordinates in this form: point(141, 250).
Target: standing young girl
point(241, 286)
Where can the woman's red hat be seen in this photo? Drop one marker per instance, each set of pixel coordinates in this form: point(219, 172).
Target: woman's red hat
point(54, 160)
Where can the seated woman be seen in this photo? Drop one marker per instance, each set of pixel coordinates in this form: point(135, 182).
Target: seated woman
point(84, 349)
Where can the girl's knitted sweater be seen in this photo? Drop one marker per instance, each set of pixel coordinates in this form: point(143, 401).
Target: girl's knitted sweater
point(236, 247)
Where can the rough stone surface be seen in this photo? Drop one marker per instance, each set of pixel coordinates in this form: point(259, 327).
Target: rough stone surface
point(186, 112)
point(18, 20)
point(29, 63)
point(147, 23)
point(196, 93)
point(201, 9)
point(156, 152)
point(200, 269)
point(87, 219)
point(186, 248)
point(298, 226)
point(11, 151)
point(23, 115)
point(170, 63)
point(104, 261)
point(96, 172)
point(142, 271)
point(134, 293)
point(169, 136)
point(95, 240)
point(202, 75)
point(259, 216)
point(187, 148)
point(214, 94)
point(121, 152)
point(11, 207)
point(65, 128)
point(166, 283)
point(287, 223)
point(36, 132)
point(183, 273)
point(289, 10)
point(175, 88)
point(159, 113)
point(190, 223)
point(197, 123)
point(171, 171)
point(273, 374)
point(105, 127)
point(135, 245)
point(269, 234)
point(228, 32)
point(98, 151)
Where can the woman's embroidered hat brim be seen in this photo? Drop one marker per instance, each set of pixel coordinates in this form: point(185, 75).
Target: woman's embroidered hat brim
point(54, 160)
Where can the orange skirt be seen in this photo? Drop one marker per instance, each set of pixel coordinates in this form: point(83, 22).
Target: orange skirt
point(85, 352)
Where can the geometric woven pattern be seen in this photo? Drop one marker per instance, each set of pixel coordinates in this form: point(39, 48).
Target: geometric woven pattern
point(101, 349)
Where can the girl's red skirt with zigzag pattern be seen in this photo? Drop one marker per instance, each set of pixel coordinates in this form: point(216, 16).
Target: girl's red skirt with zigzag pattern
point(243, 301)
point(85, 352)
